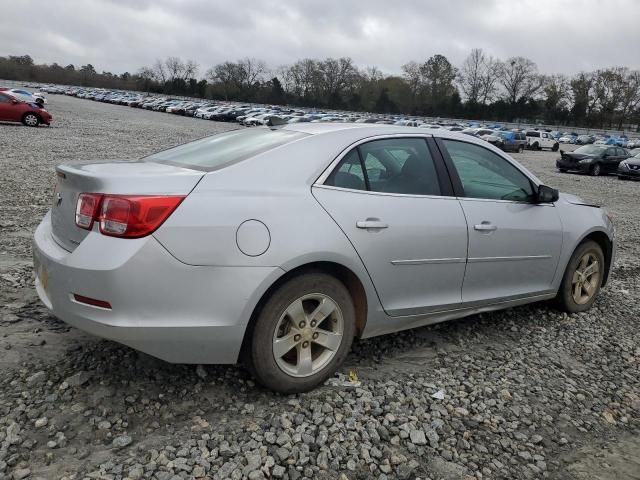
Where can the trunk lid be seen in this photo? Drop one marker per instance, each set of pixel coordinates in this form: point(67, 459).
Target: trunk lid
point(113, 177)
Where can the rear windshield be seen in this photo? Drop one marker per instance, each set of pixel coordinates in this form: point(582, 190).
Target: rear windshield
point(217, 151)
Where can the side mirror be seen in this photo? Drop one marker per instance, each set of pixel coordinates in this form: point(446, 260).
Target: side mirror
point(547, 194)
point(14, 101)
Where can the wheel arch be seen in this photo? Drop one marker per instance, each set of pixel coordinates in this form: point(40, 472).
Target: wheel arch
point(350, 280)
point(603, 240)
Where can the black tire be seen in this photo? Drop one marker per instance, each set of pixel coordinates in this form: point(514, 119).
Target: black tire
point(565, 300)
point(595, 170)
point(555, 147)
point(31, 119)
point(535, 146)
point(563, 170)
point(263, 361)
point(520, 148)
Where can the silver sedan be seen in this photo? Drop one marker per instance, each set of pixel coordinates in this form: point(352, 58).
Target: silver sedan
point(277, 246)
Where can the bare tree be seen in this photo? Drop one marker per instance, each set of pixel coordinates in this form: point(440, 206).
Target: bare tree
point(412, 74)
point(520, 79)
point(629, 95)
point(159, 70)
point(471, 75)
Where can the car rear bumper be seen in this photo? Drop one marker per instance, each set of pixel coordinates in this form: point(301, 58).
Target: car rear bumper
point(176, 312)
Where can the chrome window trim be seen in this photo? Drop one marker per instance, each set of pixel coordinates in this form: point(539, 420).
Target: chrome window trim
point(386, 194)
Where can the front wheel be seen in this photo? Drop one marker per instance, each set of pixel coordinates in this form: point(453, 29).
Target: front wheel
point(521, 149)
point(31, 120)
point(555, 147)
point(596, 170)
point(303, 333)
point(582, 279)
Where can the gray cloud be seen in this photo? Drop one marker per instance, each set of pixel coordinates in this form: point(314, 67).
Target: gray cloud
point(122, 35)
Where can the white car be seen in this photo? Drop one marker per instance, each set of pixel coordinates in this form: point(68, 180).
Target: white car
point(537, 140)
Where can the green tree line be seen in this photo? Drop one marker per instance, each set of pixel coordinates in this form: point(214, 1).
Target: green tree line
point(482, 87)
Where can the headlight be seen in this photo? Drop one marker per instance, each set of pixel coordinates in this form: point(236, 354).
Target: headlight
point(624, 165)
point(585, 161)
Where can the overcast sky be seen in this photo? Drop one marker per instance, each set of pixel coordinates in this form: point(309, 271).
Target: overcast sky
point(122, 35)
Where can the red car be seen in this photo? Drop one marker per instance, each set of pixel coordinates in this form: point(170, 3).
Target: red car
point(14, 110)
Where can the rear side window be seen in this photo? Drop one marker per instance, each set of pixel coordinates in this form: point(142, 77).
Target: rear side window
point(533, 134)
point(211, 153)
point(397, 165)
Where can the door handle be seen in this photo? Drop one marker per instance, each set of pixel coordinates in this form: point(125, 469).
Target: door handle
point(485, 227)
point(371, 223)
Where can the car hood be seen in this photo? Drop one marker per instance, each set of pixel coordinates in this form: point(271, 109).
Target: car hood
point(576, 156)
point(633, 161)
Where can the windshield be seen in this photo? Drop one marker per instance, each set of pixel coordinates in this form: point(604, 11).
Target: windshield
point(589, 150)
point(214, 152)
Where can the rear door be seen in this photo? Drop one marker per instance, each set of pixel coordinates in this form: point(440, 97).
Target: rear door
point(611, 160)
point(393, 200)
point(514, 244)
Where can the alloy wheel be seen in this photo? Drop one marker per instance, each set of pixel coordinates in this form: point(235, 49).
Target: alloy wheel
point(584, 283)
point(308, 335)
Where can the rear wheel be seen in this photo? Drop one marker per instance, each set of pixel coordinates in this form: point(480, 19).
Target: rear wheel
point(555, 147)
point(596, 170)
point(582, 279)
point(31, 120)
point(563, 170)
point(303, 333)
point(520, 148)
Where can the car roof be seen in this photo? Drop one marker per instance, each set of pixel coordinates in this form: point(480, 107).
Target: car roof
point(358, 131)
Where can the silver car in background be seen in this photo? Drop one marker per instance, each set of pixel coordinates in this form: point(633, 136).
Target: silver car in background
point(277, 246)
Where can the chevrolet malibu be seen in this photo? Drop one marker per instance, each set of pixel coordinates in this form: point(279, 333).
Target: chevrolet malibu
point(277, 246)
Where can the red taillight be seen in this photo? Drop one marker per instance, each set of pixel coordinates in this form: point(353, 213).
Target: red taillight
point(91, 301)
point(87, 209)
point(129, 216)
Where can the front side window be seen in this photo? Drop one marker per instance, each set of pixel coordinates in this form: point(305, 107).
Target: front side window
point(487, 175)
point(4, 99)
point(395, 165)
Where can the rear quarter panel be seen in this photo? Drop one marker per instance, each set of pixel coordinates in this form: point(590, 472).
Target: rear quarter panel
point(274, 188)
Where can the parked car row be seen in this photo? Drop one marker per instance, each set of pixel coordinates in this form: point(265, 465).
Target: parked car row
point(22, 106)
point(618, 141)
point(508, 139)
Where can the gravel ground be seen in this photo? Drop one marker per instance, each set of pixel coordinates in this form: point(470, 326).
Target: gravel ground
point(523, 393)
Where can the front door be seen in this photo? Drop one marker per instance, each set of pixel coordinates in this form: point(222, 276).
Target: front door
point(6, 107)
point(388, 197)
point(514, 244)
